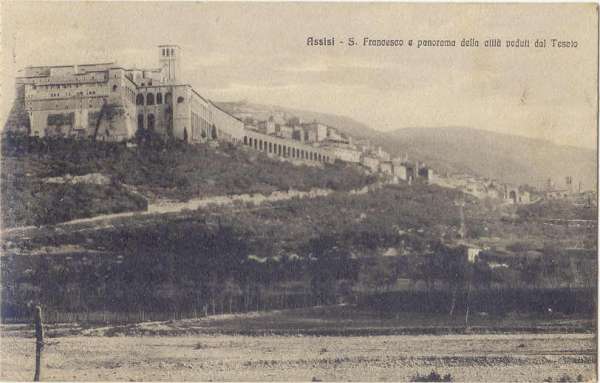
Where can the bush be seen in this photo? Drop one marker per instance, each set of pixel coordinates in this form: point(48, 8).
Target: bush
point(432, 377)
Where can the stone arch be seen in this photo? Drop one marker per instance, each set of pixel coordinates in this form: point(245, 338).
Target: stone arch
point(140, 122)
point(159, 98)
point(260, 145)
point(168, 98)
point(114, 88)
point(150, 99)
point(513, 196)
point(245, 140)
point(139, 100)
point(270, 147)
point(151, 121)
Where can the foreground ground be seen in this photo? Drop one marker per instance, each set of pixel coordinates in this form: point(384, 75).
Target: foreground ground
point(300, 345)
point(523, 357)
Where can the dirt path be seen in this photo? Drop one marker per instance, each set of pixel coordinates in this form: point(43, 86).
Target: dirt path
point(523, 357)
point(167, 206)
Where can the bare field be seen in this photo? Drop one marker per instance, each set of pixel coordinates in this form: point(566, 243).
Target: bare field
point(303, 344)
point(523, 357)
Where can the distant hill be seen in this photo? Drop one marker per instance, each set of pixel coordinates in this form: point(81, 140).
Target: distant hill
point(508, 158)
point(504, 157)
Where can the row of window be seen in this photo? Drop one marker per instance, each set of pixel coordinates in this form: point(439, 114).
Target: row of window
point(149, 100)
point(68, 94)
point(63, 86)
point(75, 80)
point(151, 122)
point(168, 52)
point(92, 103)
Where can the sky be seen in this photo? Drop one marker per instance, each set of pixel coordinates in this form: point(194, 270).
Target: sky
point(258, 52)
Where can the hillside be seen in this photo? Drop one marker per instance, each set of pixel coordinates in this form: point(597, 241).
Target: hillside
point(38, 184)
point(293, 252)
point(505, 157)
point(508, 158)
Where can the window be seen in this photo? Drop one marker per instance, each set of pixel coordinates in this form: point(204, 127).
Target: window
point(159, 98)
point(150, 122)
point(140, 122)
point(179, 100)
point(150, 99)
point(139, 100)
point(168, 98)
point(114, 88)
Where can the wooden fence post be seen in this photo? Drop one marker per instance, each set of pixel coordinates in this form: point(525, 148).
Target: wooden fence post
point(39, 343)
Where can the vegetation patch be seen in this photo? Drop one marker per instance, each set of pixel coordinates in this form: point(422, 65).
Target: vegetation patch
point(157, 169)
point(432, 377)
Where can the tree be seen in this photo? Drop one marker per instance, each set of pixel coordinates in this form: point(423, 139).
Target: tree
point(531, 271)
point(378, 274)
point(329, 262)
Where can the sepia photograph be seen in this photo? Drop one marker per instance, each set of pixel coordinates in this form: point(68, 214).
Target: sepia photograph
point(298, 191)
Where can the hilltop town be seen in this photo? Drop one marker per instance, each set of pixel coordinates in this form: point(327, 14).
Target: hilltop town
point(107, 102)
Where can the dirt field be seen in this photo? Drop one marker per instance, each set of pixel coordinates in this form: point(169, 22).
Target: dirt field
point(327, 343)
point(524, 357)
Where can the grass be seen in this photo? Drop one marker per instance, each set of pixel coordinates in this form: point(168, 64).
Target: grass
point(337, 320)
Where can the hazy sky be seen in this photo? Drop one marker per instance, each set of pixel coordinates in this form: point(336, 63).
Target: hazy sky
point(258, 52)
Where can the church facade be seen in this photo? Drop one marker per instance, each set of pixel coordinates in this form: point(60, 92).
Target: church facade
point(112, 103)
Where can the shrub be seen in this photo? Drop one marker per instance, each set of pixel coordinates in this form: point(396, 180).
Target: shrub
point(432, 377)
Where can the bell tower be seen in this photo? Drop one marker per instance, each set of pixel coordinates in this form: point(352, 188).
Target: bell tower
point(169, 57)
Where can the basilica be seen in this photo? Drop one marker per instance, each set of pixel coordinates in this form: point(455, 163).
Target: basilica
point(112, 103)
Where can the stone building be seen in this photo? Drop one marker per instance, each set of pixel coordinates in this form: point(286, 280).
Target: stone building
point(371, 163)
point(400, 171)
point(315, 131)
point(386, 167)
point(112, 103)
point(285, 131)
